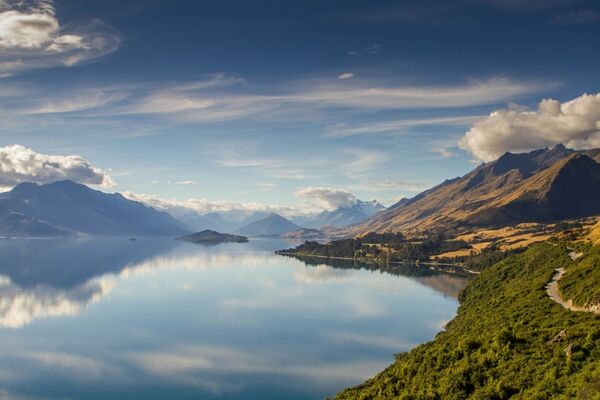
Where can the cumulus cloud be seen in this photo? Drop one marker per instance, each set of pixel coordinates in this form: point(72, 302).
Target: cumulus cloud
point(329, 198)
point(21, 164)
point(574, 123)
point(31, 36)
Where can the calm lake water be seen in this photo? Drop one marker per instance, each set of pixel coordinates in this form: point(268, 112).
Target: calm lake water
point(162, 319)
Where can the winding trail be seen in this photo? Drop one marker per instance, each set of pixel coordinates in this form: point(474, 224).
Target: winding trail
point(554, 293)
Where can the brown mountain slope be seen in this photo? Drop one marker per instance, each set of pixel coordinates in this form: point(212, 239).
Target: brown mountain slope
point(539, 186)
point(595, 234)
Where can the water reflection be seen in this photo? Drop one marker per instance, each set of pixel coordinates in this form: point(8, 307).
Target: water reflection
point(155, 319)
point(449, 281)
point(41, 278)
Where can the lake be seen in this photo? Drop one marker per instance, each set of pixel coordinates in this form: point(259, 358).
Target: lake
point(158, 318)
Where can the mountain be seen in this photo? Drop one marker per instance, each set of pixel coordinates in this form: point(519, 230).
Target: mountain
point(220, 221)
point(342, 216)
point(272, 225)
point(542, 185)
point(209, 236)
point(66, 207)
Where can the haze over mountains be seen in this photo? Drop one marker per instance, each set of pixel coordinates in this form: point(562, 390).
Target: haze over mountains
point(542, 185)
point(341, 216)
point(230, 221)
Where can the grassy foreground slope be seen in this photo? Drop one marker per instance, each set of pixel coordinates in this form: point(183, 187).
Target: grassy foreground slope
point(581, 284)
point(505, 342)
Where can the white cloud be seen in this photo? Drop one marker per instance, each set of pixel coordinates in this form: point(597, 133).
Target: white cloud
point(575, 123)
point(356, 162)
point(442, 152)
point(214, 100)
point(369, 50)
point(21, 164)
point(326, 197)
point(230, 210)
point(267, 187)
point(186, 183)
point(31, 36)
point(389, 184)
point(398, 126)
point(347, 75)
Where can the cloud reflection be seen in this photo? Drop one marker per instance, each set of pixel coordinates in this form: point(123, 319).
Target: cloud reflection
point(19, 306)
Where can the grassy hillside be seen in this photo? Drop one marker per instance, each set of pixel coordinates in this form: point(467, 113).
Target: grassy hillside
point(501, 345)
point(581, 283)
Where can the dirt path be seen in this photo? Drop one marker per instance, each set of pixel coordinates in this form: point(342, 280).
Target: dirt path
point(554, 292)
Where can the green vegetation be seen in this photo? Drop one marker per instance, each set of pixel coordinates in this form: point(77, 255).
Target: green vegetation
point(208, 236)
point(508, 340)
point(582, 282)
point(381, 248)
point(478, 261)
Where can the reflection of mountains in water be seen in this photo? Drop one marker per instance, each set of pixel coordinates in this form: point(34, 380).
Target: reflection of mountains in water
point(449, 282)
point(60, 277)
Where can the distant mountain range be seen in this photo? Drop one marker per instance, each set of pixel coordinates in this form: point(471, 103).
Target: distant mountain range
point(543, 185)
point(539, 186)
point(232, 221)
point(272, 225)
point(220, 221)
point(68, 208)
point(341, 216)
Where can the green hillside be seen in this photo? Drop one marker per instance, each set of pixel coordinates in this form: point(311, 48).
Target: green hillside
point(505, 341)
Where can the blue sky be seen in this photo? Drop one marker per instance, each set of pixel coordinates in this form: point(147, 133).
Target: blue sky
point(251, 101)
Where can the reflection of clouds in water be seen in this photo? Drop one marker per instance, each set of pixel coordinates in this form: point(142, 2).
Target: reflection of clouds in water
point(86, 367)
point(212, 367)
point(19, 306)
point(395, 344)
point(364, 307)
point(438, 325)
point(320, 274)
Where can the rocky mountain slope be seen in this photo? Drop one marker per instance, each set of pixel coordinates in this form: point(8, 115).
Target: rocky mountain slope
point(542, 185)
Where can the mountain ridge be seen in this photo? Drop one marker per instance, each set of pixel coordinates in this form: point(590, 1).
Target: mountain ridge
point(538, 186)
point(65, 207)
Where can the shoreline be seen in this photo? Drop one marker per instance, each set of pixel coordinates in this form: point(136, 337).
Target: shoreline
point(427, 264)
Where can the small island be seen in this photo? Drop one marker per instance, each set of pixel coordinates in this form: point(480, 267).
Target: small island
point(208, 236)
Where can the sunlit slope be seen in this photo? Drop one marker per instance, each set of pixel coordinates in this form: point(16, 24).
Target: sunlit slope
point(539, 186)
point(505, 342)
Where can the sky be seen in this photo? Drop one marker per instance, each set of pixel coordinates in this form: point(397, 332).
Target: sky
point(288, 103)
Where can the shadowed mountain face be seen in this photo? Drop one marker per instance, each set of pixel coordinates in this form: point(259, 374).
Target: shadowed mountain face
point(66, 207)
point(542, 185)
point(273, 225)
